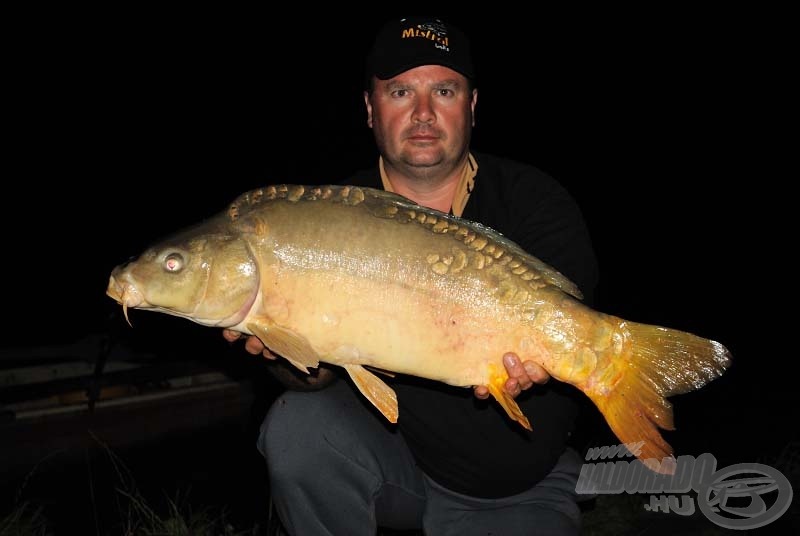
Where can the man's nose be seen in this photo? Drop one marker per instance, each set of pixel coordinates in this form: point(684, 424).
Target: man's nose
point(423, 111)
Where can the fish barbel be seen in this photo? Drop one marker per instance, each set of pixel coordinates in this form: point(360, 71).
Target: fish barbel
point(358, 277)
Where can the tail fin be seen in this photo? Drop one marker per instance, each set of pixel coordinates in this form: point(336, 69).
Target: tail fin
point(655, 363)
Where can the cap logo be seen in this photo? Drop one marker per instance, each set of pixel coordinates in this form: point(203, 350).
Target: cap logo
point(435, 32)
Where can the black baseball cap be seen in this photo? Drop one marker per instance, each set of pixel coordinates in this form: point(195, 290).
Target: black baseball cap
point(413, 41)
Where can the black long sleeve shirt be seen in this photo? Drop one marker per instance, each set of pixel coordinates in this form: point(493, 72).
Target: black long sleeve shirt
point(469, 445)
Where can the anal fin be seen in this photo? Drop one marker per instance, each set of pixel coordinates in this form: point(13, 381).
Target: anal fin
point(497, 380)
point(381, 395)
point(290, 345)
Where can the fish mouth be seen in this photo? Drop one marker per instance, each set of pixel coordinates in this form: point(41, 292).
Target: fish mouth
point(126, 294)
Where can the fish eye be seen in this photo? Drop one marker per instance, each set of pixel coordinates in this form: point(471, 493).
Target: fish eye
point(173, 262)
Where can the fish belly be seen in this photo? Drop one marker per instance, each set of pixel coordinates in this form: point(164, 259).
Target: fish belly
point(389, 326)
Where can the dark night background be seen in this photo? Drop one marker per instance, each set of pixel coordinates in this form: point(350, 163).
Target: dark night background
point(142, 124)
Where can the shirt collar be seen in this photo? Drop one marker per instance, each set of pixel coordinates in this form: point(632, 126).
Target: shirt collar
point(463, 189)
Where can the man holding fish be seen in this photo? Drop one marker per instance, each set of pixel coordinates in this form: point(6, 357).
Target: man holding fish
point(452, 464)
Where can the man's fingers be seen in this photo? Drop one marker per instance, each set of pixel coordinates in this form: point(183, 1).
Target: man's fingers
point(536, 373)
point(512, 387)
point(253, 345)
point(482, 392)
point(522, 376)
point(230, 335)
point(517, 374)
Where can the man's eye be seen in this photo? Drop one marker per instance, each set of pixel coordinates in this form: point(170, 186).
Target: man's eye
point(399, 93)
point(445, 92)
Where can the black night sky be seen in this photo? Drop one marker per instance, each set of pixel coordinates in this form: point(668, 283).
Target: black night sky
point(129, 130)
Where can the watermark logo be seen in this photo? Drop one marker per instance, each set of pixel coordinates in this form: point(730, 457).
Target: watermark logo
point(740, 497)
point(722, 495)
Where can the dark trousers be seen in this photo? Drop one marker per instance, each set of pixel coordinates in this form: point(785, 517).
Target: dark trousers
point(337, 468)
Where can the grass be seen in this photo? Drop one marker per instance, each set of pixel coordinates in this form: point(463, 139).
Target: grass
point(176, 517)
point(178, 520)
point(140, 519)
point(24, 520)
point(135, 515)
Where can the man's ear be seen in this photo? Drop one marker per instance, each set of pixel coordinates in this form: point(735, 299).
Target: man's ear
point(473, 103)
point(368, 104)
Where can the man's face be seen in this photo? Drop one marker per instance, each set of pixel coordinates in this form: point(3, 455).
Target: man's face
point(423, 117)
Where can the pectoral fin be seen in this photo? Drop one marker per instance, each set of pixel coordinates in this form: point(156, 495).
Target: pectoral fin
point(286, 343)
point(380, 371)
point(381, 395)
point(497, 380)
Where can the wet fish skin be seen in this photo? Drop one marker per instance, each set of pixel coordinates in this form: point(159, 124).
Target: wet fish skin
point(360, 278)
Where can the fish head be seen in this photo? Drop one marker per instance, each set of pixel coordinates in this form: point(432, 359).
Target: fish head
point(204, 274)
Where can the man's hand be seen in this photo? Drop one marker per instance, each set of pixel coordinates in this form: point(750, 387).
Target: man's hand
point(521, 376)
point(286, 374)
point(253, 345)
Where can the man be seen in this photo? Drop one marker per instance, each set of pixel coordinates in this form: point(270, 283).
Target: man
point(453, 464)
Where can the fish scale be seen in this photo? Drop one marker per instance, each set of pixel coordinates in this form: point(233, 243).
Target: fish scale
point(488, 246)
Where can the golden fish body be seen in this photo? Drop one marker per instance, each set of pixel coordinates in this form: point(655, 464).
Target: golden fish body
point(359, 277)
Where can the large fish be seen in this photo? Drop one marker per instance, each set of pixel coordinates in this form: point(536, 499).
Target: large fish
point(361, 278)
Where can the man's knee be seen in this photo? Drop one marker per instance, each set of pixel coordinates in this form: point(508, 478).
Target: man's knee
point(292, 431)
